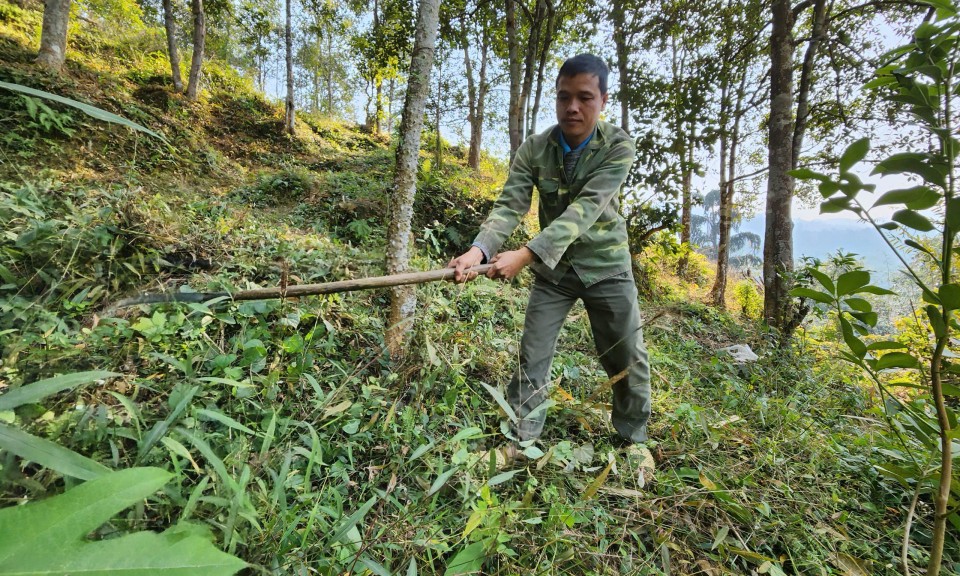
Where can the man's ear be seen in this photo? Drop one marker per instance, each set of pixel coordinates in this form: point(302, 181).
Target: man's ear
point(603, 100)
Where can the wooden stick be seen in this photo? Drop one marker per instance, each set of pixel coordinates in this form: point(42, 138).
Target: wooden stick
point(302, 289)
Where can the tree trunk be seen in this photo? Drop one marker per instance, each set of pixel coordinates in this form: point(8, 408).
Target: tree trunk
point(316, 73)
point(53, 35)
point(806, 78)
point(686, 197)
point(171, 25)
point(403, 301)
point(778, 238)
point(543, 61)
point(289, 119)
point(438, 148)
point(513, 114)
point(393, 89)
point(623, 59)
point(529, 58)
point(330, 74)
point(199, 40)
point(725, 207)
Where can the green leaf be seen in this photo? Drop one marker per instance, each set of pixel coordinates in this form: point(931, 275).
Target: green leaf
point(858, 304)
point(855, 344)
point(225, 420)
point(469, 560)
point(466, 433)
point(85, 108)
point(950, 296)
point(911, 163)
point(58, 529)
point(40, 389)
point(812, 295)
point(501, 401)
point(501, 478)
point(49, 454)
point(854, 153)
point(823, 279)
point(936, 321)
point(912, 219)
point(835, 205)
point(896, 360)
point(808, 174)
point(885, 345)
point(850, 282)
point(441, 480)
point(916, 198)
point(953, 214)
point(351, 522)
point(888, 226)
point(876, 290)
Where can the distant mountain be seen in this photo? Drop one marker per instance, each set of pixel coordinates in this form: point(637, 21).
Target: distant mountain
point(822, 237)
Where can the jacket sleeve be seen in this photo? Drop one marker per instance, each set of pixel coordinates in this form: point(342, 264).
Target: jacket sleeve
point(509, 209)
point(601, 187)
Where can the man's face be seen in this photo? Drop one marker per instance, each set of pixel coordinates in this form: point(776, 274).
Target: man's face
point(579, 103)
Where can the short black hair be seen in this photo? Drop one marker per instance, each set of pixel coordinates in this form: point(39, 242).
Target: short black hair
point(585, 64)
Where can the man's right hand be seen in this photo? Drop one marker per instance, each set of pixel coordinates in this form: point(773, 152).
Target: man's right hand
point(465, 261)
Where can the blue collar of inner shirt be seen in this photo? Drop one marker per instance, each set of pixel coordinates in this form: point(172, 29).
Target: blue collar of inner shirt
point(566, 147)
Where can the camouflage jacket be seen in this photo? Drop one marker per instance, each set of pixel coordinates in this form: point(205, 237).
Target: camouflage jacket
point(580, 222)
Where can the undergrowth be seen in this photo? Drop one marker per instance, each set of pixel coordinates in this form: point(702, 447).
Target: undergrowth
point(305, 449)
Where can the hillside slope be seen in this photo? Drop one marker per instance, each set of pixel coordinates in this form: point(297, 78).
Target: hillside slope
point(298, 442)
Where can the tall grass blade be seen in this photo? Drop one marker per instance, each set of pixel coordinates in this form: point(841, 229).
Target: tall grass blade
point(32, 393)
point(49, 454)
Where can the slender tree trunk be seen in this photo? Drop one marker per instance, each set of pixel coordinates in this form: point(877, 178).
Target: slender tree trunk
point(806, 78)
point(543, 61)
point(513, 115)
point(623, 59)
point(724, 208)
point(199, 40)
point(170, 23)
point(438, 149)
point(289, 121)
point(316, 73)
point(686, 196)
point(778, 238)
point(403, 301)
point(393, 89)
point(53, 34)
point(718, 293)
point(330, 74)
point(530, 55)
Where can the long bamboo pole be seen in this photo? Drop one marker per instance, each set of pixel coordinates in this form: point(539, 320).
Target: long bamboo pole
point(296, 290)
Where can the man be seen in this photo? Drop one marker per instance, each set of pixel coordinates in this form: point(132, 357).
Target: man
point(581, 252)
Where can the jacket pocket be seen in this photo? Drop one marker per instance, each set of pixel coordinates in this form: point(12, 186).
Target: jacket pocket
point(549, 189)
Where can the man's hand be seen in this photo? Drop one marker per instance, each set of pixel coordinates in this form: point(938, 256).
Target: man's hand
point(506, 265)
point(461, 263)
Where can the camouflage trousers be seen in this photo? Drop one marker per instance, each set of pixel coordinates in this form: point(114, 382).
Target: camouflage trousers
point(614, 314)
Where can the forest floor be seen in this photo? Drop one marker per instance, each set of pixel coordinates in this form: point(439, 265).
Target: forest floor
point(292, 435)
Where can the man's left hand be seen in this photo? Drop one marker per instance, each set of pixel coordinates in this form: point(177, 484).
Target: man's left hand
point(506, 265)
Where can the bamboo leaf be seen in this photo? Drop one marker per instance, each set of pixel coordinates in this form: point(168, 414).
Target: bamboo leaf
point(597, 482)
point(352, 520)
point(469, 560)
point(501, 401)
point(501, 478)
point(40, 389)
point(87, 109)
point(225, 420)
point(441, 480)
point(49, 454)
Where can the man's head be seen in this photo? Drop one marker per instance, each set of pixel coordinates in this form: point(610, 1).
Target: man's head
point(581, 96)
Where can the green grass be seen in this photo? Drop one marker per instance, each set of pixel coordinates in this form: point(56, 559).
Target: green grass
point(302, 447)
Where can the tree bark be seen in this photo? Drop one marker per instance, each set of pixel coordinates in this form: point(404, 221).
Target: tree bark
point(513, 114)
point(551, 19)
point(529, 58)
point(289, 119)
point(806, 78)
point(778, 238)
point(403, 301)
point(725, 207)
point(53, 35)
point(199, 41)
point(623, 59)
point(170, 24)
point(476, 95)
